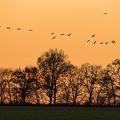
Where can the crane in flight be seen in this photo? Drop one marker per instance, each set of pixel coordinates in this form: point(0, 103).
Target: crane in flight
point(106, 42)
point(52, 33)
point(88, 40)
point(93, 35)
point(105, 13)
point(54, 37)
point(94, 42)
point(18, 28)
point(113, 41)
point(62, 34)
point(101, 42)
point(30, 30)
point(8, 28)
point(69, 34)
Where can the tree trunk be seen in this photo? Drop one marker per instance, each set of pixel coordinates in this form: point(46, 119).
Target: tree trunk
point(114, 96)
point(55, 94)
point(90, 99)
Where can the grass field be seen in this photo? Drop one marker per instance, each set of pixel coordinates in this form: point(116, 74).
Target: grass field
point(58, 113)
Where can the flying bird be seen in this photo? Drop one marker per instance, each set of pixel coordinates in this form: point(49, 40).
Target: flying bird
point(54, 37)
point(113, 41)
point(8, 28)
point(94, 42)
point(30, 30)
point(52, 33)
point(105, 13)
point(93, 35)
point(69, 34)
point(62, 34)
point(18, 28)
point(106, 42)
point(88, 41)
point(101, 42)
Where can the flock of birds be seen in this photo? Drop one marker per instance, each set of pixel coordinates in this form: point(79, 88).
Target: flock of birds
point(60, 35)
point(17, 28)
point(113, 41)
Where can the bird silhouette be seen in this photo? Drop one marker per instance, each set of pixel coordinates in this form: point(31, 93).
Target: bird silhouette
point(8, 28)
point(105, 13)
point(113, 41)
point(54, 37)
point(52, 33)
point(62, 34)
point(88, 40)
point(93, 35)
point(30, 30)
point(18, 28)
point(69, 34)
point(94, 42)
point(106, 42)
point(101, 42)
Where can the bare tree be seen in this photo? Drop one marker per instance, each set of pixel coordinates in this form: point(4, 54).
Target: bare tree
point(76, 83)
point(4, 88)
point(52, 64)
point(32, 74)
point(91, 74)
point(113, 75)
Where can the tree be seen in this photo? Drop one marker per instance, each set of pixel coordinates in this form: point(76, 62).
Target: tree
point(20, 88)
point(65, 89)
point(72, 86)
point(77, 85)
point(52, 64)
point(32, 74)
point(100, 87)
point(113, 73)
point(90, 75)
point(4, 86)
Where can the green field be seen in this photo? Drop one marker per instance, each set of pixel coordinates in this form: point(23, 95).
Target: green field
point(58, 113)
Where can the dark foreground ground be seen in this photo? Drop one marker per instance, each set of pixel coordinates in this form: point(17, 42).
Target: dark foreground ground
point(58, 113)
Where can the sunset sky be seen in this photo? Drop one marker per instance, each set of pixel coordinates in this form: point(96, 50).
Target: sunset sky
point(81, 18)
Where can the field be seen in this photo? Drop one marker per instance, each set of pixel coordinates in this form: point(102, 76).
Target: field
point(58, 113)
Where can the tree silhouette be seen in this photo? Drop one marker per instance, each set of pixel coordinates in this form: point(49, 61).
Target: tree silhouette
point(52, 64)
point(4, 88)
point(73, 86)
point(34, 85)
point(90, 76)
point(57, 81)
point(113, 75)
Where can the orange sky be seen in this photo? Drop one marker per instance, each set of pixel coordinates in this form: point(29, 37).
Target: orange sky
point(82, 18)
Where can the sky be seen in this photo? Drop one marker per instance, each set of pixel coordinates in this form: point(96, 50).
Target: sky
point(81, 18)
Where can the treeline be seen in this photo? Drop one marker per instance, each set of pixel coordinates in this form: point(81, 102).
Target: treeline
point(58, 82)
